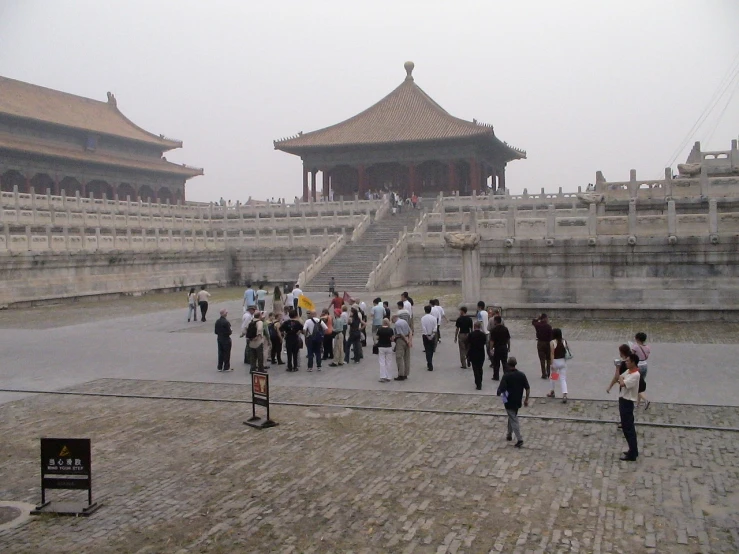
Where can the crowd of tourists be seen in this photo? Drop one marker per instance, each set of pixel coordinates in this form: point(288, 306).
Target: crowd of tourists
point(338, 334)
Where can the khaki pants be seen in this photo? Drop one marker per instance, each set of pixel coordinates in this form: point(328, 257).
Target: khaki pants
point(464, 348)
point(339, 348)
point(402, 357)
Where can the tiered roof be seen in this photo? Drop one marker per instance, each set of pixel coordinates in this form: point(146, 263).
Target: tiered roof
point(405, 115)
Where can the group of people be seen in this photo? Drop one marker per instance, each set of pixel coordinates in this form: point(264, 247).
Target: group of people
point(339, 333)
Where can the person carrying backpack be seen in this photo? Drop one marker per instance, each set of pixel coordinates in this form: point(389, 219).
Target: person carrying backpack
point(314, 330)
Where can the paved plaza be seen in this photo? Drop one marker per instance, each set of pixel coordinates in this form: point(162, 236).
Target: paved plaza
point(417, 466)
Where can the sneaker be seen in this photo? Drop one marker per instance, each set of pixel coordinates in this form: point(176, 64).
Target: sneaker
point(519, 444)
point(319, 368)
point(219, 369)
point(310, 369)
point(230, 369)
point(509, 437)
point(333, 364)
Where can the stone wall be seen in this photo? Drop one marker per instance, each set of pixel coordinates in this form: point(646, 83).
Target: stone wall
point(39, 277)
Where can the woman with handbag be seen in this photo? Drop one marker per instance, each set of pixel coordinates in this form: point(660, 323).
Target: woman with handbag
point(384, 343)
point(558, 363)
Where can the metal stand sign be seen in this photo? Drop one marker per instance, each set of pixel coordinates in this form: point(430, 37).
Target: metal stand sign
point(259, 396)
point(66, 464)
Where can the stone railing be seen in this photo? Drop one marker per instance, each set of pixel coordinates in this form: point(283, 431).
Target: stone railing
point(389, 262)
point(33, 201)
point(382, 209)
point(317, 265)
point(557, 224)
point(679, 188)
point(360, 229)
point(48, 241)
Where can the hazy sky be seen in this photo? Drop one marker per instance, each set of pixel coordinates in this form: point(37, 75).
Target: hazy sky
point(580, 85)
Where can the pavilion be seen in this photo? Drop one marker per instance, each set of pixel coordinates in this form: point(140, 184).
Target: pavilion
point(62, 143)
point(405, 142)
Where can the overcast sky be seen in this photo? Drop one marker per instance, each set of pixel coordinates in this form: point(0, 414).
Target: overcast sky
point(580, 85)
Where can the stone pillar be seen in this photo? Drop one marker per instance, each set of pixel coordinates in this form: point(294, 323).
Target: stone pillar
point(452, 183)
point(305, 183)
point(633, 187)
point(551, 221)
point(325, 189)
point(632, 216)
point(592, 220)
point(468, 243)
point(362, 176)
point(313, 184)
point(671, 219)
point(704, 183)
point(713, 216)
point(668, 182)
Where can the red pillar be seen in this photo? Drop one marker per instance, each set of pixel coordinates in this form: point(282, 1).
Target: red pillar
point(411, 179)
point(362, 181)
point(452, 182)
point(325, 184)
point(474, 175)
point(313, 184)
point(305, 183)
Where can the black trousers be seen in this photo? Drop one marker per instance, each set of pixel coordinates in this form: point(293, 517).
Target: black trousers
point(477, 371)
point(292, 353)
point(626, 410)
point(203, 310)
point(429, 345)
point(224, 353)
point(500, 356)
point(276, 351)
point(328, 346)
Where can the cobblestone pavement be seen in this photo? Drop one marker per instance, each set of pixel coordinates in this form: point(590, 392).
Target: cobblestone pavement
point(184, 476)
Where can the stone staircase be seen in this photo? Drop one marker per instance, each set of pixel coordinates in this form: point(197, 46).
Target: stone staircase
point(352, 264)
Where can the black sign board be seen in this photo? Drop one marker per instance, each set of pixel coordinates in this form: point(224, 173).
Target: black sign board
point(66, 464)
point(259, 397)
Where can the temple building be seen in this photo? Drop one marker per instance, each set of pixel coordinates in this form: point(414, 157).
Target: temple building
point(405, 142)
point(62, 143)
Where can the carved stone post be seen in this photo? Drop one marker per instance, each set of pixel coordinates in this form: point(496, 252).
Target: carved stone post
point(468, 243)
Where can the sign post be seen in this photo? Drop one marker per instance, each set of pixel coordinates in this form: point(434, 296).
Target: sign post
point(259, 396)
point(66, 464)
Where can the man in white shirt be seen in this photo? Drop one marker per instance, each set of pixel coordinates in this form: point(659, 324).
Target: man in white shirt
point(290, 300)
point(203, 296)
point(314, 339)
point(629, 394)
point(245, 320)
point(297, 293)
point(438, 312)
point(408, 305)
point(429, 327)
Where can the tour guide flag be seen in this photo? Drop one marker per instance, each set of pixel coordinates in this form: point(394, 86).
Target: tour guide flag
point(306, 303)
point(348, 300)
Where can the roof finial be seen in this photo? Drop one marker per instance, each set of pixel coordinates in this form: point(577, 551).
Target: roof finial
point(409, 70)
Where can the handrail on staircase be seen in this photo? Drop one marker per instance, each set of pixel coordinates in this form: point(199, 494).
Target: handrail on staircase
point(320, 261)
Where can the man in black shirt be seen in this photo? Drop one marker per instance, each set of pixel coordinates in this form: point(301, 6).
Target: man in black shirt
point(464, 328)
point(223, 331)
point(512, 387)
point(500, 340)
point(543, 338)
point(477, 340)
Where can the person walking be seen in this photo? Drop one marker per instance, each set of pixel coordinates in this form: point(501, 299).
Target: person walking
point(255, 338)
point(354, 341)
point(558, 363)
point(438, 312)
point(278, 305)
point(297, 293)
point(261, 298)
point(289, 299)
point(250, 298)
point(408, 306)
point(314, 331)
point(339, 338)
point(223, 332)
point(331, 286)
point(428, 326)
point(500, 341)
point(463, 329)
point(543, 340)
point(384, 341)
point(511, 388)
point(291, 330)
point(403, 343)
point(641, 349)
point(192, 305)
point(203, 296)
point(482, 317)
point(477, 345)
point(627, 396)
point(335, 305)
point(624, 351)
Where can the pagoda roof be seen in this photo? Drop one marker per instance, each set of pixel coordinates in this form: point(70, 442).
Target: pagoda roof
point(54, 150)
point(33, 102)
point(407, 114)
